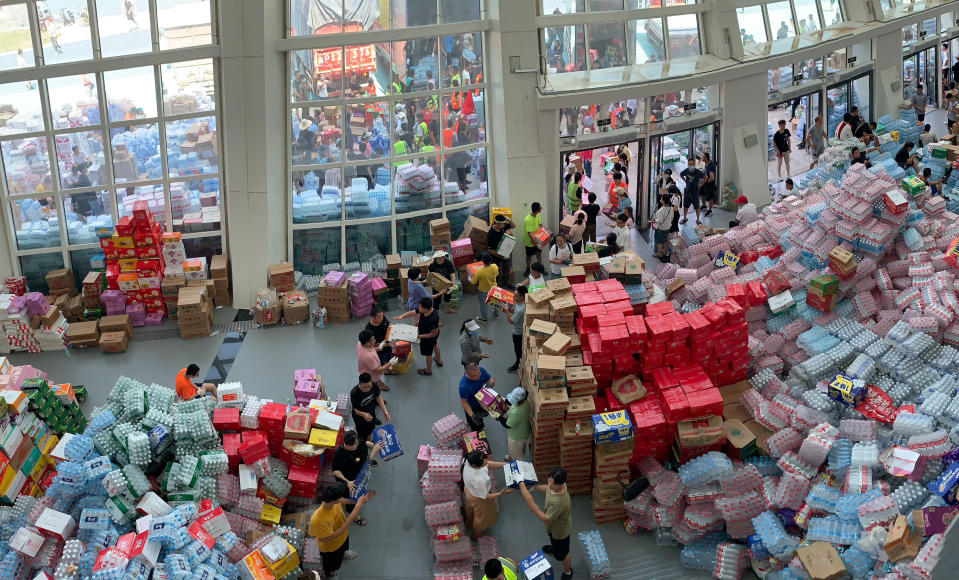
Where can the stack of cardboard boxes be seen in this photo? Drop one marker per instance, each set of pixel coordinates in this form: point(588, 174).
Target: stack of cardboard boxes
point(440, 235)
point(61, 282)
point(334, 295)
point(194, 312)
point(296, 307)
point(85, 333)
point(124, 163)
point(220, 274)
point(395, 281)
point(281, 277)
point(613, 436)
point(822, 292)
point(576, 445)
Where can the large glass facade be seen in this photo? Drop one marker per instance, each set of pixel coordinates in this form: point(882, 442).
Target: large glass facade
point(384, 136)
point(80, 149)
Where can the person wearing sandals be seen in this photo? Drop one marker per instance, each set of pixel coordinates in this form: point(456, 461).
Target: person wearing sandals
point(428, 329)
point(330, 525)
point(368, 359)
point(348, 460)
point(365, 399)
point(480, 506)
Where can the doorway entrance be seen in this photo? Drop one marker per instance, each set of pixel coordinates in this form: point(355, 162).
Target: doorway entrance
point(598, 167)
point(800, 114)
point(677, 151)
point(920, 68)
point(841, 97)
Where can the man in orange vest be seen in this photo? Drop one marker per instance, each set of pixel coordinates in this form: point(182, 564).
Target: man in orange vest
point(186, 389)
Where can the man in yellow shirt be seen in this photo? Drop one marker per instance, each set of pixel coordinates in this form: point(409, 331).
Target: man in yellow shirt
point(485, 279)
point(330, 525)
point(499, 569)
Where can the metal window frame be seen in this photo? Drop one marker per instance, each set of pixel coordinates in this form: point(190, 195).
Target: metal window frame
point(98, 67)
point(442, 93)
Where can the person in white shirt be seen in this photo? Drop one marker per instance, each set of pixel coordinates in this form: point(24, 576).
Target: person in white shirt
point(927, 136)
point(480, 506)
point(621, 229)
point(746, 213)
point(662, 221)
point(844, 130)
point(560, 255)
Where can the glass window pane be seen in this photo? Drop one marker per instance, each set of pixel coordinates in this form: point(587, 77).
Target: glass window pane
point(561, 6)
point(367, 131)
point(752, 26)
point(650, 46)
point(313, 249)
point(316, 195)
point(413, 13)
point(808, 15)
point(928, 28)
point(152, 194)
point(27, 165)
point(195, 205)
point(308, 17)
point(183, 23)
point(131, 94)
point(35, 269)
point(80, 262)
point(831, 11)
point(416, 185)
point(35, 223)
point(458, 217)
point(204, 247)
point(605, 5)
point(316, 75)
point(462, 59)
point(18, 46)
point(366, 191)
point(124, 27)
point(683, 35)
point(607, 45)
point(780, 78)
point(781, 20)
point(809, 69)
point(367, 70)
point(836, 61)
point(63, 32)
point(463, 119)
point(860, 95)
point(188, 87)
point(136, 153)
point(192, 147)
point(417, 63)
point(565, 48)
point(836, 105)
point(413, 234)
point(367, 242)
point(465, 176)
point(459, 10)
point(20, 109)
point(910, 34)
point(80, 159)
point(317, 137)
point(74, 101)
point(85, 212)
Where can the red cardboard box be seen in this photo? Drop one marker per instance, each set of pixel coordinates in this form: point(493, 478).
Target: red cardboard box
point(226, 419)
point(124, 227)
point(675, 405)
point(659, 308)
point(251, 451)
point(703, 403)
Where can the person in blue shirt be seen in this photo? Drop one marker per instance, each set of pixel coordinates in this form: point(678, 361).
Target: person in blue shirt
point(474, 378)
point(417, 291)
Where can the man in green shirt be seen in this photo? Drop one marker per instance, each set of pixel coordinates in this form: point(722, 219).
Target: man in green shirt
point(517, 424)
point(555, 515)
point(531, 224)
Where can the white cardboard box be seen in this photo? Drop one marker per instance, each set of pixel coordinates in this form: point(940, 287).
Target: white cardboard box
point(57, 524)
point(247, 479)
point(26, 542)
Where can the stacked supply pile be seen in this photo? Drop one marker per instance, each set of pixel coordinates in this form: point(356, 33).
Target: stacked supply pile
point(334, 295)
point(416, 188)
point(393, 266)
point(220, 274)
point(94, 283)
point(194, 312)
point(440, 235)
point(439, 477)
point(50, 330)
point(361, 294)
point(613, 436)
point(174, 278)
point(549, 401)
point(576, 445)
point(55, 404)
point(61, 282)
point(307, 385)
point(135, 263)
point(16, 313)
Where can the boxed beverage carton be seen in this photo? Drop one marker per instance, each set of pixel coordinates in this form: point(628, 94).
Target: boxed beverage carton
point(821, 561)
point(114, 341)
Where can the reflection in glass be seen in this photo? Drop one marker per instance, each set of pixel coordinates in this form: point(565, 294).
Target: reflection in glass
point(458, 217)
point(837, 104)
point(131, 94)
point(27, 165)
point(366, 191)
point(831, 11)
point(808, 15)
point(188, 87)
point(465, 176)
point(607, 45)
point(413, 13)
point(35, 222)
point(20, 110)
point(367, 131)
point(85, 212)
point(64, 30)
point(752, 25)
point(565, 48)
point(124, 27)
point(464, 119)
point(205, 247)
point(367, 70)
point(74, 101)
point(183, 23)
point(36, 267)
point(80, 262)
point(15, 29)
point(418, 67)
point(683, 35)
point(195, 205)
point(860, 95)
point(462, 59)
point(316, 75)
point(781, 20)
point(191, 147)
point(413, 234)
point(80, 159)
point(312, 249)
point(136, 153)
point(650, 45)
point(314, 199)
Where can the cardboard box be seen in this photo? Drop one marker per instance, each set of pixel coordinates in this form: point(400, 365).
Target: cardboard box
point(60, 279)
point(933, 520)
point(628, 389)
point(821, 561)
point(901, 541)
point(114, 341)
point(699, 432)
point(556, 344)
point(117, 323)
point(439, 282)
point(219, 266)
point(296, 307)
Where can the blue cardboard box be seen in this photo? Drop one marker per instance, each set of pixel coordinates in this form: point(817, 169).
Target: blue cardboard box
point(391, 445)
point(612, 427)
point(846, 390)
point(536, 567)
point(361, 483)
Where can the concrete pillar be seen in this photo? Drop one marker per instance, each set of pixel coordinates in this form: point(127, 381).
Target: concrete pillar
point(255, 140)
point(887, 53)
point(745, 119)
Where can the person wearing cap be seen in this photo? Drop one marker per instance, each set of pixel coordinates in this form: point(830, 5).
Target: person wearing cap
point(517, 425)
point(442, 265)
point(746, 213)
point(470, 340)
point(501, 225)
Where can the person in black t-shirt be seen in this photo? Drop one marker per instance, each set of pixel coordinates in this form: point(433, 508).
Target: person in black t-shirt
point(865, 132)
point(365, 398)
point(501, 225)
point(857, 157)
point(592, 210)
point(906, 158)
point(444, 267)
point(348, 460)
point(781, 141)
point(429, 330)
point(379, 326)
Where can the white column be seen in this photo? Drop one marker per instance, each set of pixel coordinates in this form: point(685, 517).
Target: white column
point(255, 140)
point(744, 117)
point(887, 53)
point(524, 143)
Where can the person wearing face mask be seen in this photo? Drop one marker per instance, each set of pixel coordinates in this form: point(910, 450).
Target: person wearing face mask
point(470, 340)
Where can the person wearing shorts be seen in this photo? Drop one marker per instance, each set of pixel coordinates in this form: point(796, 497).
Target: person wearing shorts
point(782, 142)
point(187, 389)
point(555, 515)
point(429, 331)
point(707, 191)
point(693, 176)
point(816, 140)
point(918, 101)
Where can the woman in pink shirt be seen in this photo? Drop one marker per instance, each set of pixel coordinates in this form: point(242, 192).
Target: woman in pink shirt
point(368, 361)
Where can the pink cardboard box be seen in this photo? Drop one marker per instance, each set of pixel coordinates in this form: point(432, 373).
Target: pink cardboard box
point(304, 374)
point(378, 286)
point(306, 389)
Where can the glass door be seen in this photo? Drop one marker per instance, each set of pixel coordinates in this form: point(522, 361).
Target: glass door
point(597, 167)
point(677, 151)
point(837, 104)
point(800, 114)
point(920, 69)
